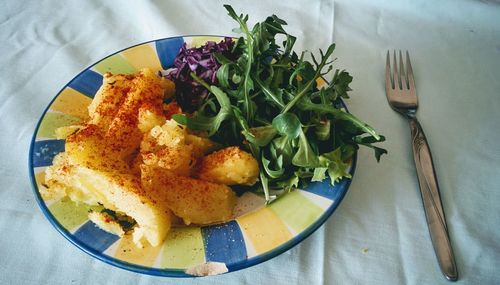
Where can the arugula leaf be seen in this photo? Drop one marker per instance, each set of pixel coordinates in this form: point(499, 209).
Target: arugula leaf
point(223, 75)
point(249, 58)
point(283, 147)
point(261, 136)
point(378, 152)
point(289, 183)
point(305, 156)
point(306, 87)
point(338, 114)
point(276, 98)
point(209, 124)
point(337, 168)
point(367, 141)
point(265, 187)
point(273, 173)
point(340, 83)
point(287, 124)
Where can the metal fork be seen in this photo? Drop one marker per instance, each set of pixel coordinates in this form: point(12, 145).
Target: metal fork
point(402, 96)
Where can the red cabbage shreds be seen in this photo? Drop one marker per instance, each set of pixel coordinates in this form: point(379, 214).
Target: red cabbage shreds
point(189, 93)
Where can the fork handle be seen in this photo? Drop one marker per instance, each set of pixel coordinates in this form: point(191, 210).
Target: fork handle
point(431, 198)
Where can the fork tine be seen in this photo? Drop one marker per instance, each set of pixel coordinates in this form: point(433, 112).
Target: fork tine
point(403, 74)
point(409, 72)
point(388, 78)
point(397, 80)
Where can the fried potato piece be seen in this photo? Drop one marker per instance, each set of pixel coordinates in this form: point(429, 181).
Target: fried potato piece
point(201, 145)
point(89, 147)
point(171, 147)
point(116, 191)
point(122, 101)
point(229, 166)
point(148, 118)
point(195, 201)
point(165, 147)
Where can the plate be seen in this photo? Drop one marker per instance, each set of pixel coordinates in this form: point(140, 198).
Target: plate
point(256, 234)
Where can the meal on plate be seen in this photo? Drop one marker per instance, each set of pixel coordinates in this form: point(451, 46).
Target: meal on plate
point(168, 148)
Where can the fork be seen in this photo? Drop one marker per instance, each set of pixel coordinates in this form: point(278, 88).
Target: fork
point(402, 96)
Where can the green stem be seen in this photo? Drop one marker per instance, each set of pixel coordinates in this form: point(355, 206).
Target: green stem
point(268, 92)
point(309, 84)
point(340, 115)
point(199, 80)
point(303, 91)
point(248, 69)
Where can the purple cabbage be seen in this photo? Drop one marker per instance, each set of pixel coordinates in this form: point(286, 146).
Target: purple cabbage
point(189, 93)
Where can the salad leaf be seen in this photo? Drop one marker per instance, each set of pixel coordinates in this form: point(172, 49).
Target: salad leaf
point(339, 115)
point(287, 124)
point(333, 164)
point(209, 124)
point(273, 173)
point(261, 136)
point(368, 141)
point(337, 168)
point(307, 86)
point(283, 147)
point(305, 156)
point(248, 59)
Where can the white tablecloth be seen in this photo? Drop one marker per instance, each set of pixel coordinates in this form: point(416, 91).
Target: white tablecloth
point(378, 235)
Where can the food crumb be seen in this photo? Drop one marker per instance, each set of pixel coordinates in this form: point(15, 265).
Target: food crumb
point(207, 269)
point(364, 250)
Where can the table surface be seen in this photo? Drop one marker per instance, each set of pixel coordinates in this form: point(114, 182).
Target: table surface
point(378, 235)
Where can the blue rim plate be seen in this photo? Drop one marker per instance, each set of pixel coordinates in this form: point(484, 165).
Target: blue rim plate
point(249, 239)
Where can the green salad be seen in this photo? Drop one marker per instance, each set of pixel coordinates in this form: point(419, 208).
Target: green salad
point(258, 93)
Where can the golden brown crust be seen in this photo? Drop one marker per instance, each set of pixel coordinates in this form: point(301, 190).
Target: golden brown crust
point(229, 166)
point(117, 104)
point(195, 201)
